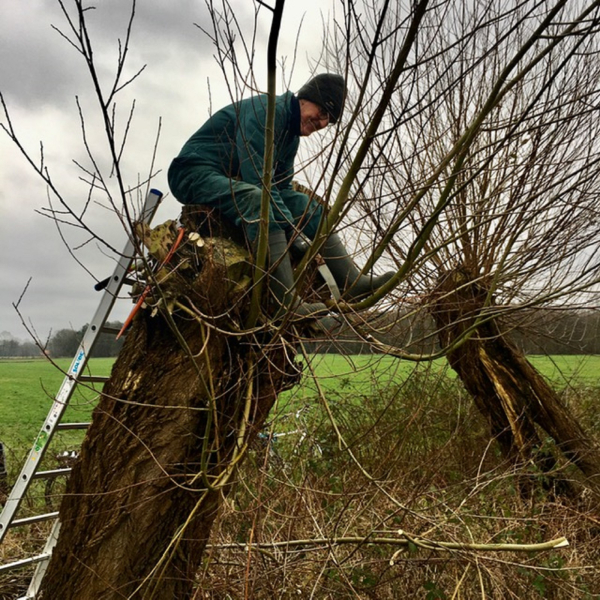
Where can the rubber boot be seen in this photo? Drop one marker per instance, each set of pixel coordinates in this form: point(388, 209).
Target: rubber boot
point(352, 284)
point(281, 282)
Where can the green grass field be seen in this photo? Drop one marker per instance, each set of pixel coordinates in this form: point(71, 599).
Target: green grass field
point(427, 450)
point(27, 390)
point(27, 387)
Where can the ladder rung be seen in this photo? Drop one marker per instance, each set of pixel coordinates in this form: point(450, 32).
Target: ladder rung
point(35, 519)
point(24, 562)
point(66, 426)
point(92, 379)
point(51, 474)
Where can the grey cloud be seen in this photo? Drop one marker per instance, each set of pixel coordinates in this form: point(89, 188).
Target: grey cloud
point(35, 68)
point(40, 74)
point(39, 67)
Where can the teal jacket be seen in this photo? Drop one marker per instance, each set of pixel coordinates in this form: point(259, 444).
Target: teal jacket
point(231, 144)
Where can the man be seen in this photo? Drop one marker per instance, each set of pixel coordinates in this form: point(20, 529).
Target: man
point(221, 166)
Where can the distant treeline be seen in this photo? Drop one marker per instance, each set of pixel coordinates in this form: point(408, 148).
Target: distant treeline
point(10, 347)
point(541, 331)
point(535, 332)
point(63, 343)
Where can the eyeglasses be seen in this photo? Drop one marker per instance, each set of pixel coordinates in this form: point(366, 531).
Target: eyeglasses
point(323, 114)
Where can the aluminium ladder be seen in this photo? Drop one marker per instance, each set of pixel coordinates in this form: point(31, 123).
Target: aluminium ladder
point(31, 470)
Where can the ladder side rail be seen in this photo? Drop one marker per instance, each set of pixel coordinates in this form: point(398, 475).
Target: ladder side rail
point(42, 565)
point(70, 381)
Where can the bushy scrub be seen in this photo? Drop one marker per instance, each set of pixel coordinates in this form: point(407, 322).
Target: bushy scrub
point(414, 456)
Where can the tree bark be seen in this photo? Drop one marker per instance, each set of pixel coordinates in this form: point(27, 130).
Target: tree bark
point(515, 399)
point(171, 425)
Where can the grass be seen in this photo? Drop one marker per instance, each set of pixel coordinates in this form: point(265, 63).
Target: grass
point(565, 370)
point(364, 374)
point(426, 467)
point(27, 387)
point(27, 390)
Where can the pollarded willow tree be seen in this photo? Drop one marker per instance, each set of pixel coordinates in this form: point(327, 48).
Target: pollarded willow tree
point(492, 144)
point(433, 105)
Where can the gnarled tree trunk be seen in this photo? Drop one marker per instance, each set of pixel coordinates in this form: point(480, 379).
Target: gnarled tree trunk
point(173, 421)
point(515, 399)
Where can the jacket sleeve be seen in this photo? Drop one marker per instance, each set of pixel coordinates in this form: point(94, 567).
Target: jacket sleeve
point(250, 146)
point(284, 168)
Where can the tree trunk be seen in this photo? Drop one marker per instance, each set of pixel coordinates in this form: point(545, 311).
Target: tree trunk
point(515, 399)
point(172, 424)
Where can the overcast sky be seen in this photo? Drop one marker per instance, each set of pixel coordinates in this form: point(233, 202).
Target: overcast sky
point(40, 77)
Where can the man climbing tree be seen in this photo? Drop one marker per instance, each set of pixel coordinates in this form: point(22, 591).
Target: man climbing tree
point(221, 166)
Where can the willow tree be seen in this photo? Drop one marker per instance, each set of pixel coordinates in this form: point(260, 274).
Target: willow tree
point(198, 373)
point(485, 185)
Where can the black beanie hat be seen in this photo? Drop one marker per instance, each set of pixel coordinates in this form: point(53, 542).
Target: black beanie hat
point(328, 90)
